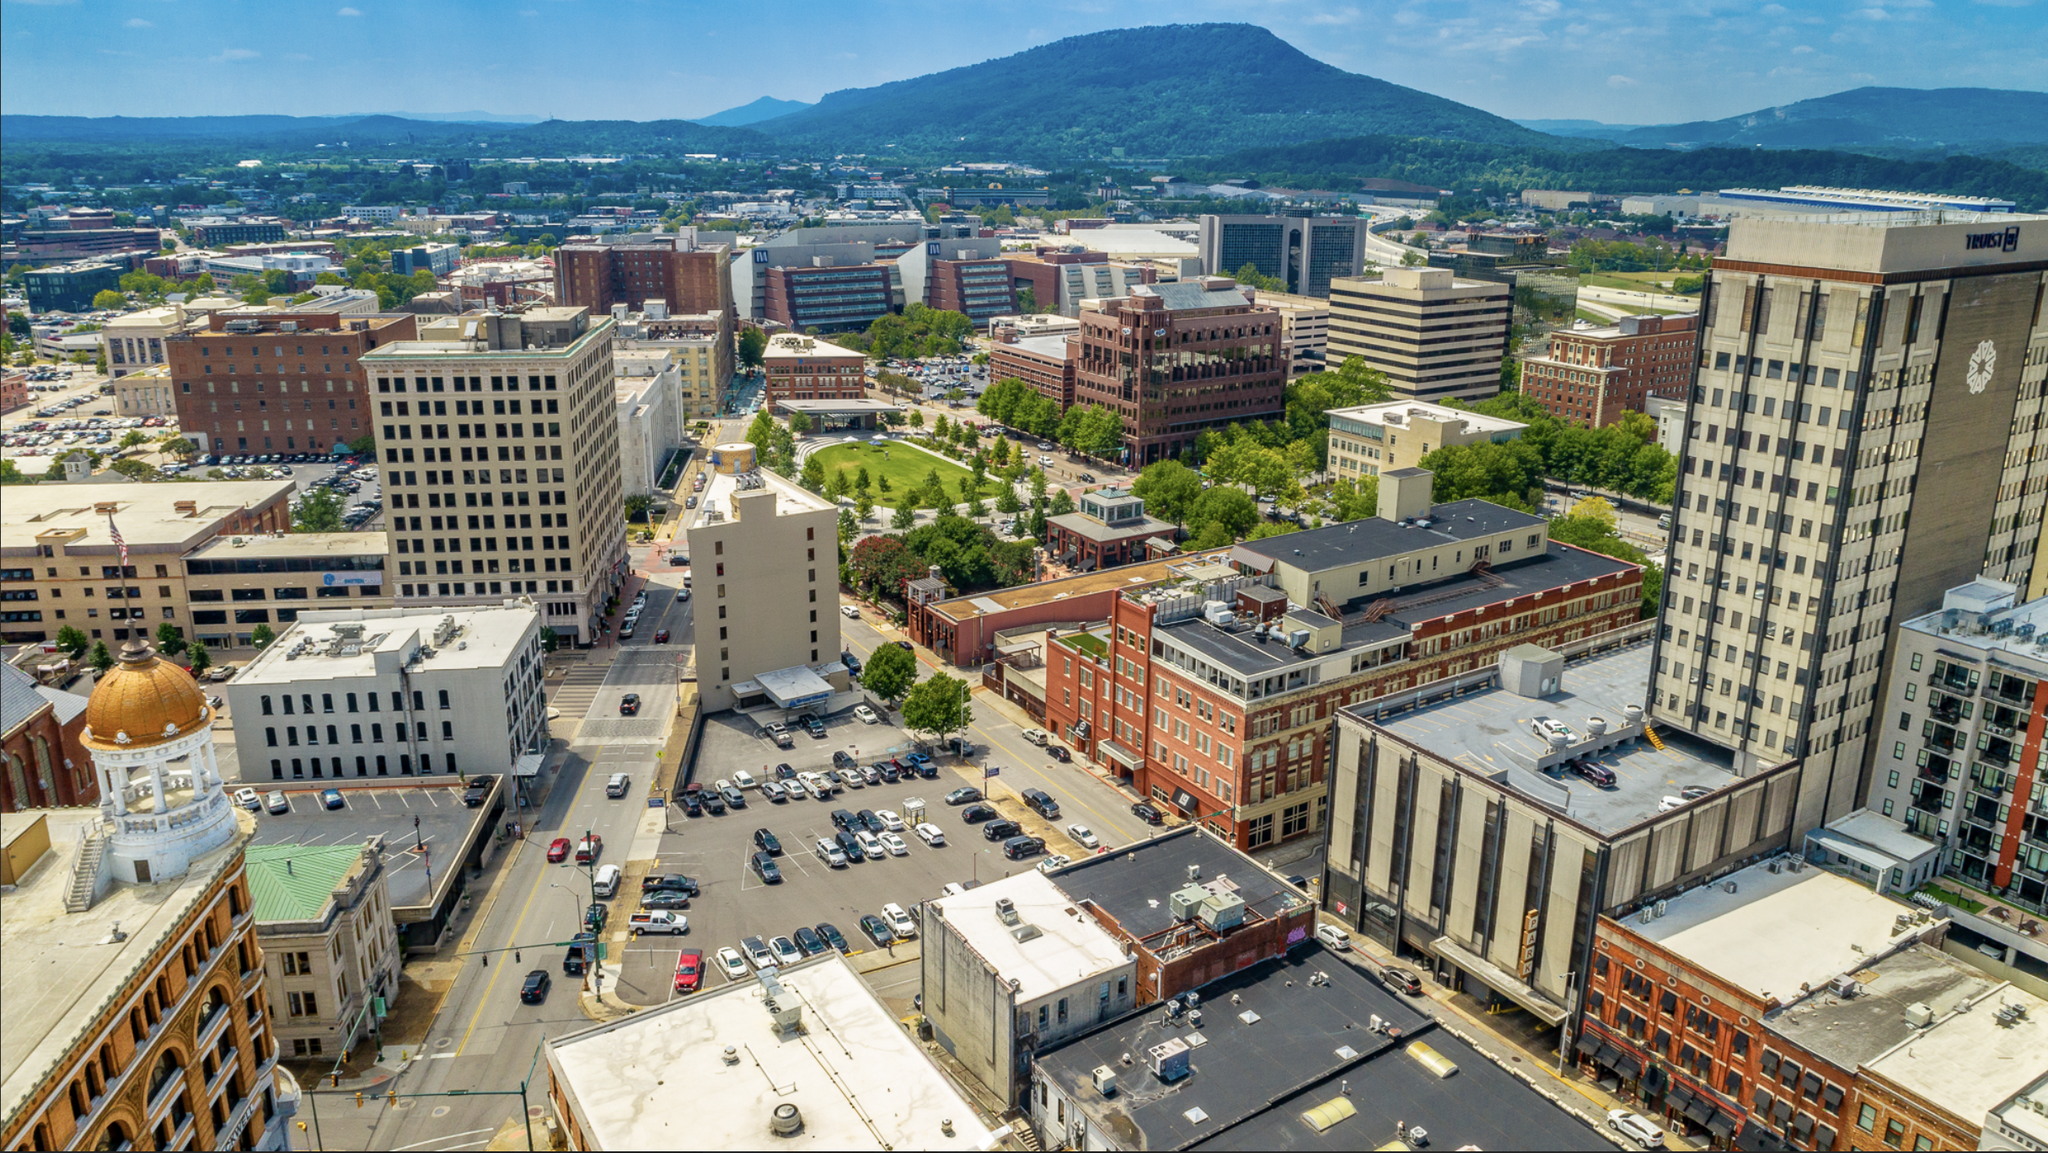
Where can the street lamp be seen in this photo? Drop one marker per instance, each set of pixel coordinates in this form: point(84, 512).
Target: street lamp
point(976, 862)
point(591, 967)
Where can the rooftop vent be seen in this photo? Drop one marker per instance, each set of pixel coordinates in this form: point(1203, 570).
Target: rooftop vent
point(1006, 910)
point(785, 1121)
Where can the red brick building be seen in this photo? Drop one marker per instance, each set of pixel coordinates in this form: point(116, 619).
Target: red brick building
point(1046, 363)
point(633, 269)
point(279, 382)
point(1591, 376)
point(1179, 359)
point(806, 368)
point(976, 288)
point(45, 765)
point(1205, 700)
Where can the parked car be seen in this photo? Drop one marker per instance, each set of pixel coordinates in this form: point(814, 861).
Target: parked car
point(331, 798)
point(1054, 861)
point(931, 834)
point(900, 922)
point(1333, 937)
point(1147, 813)
point(558, 850)
point(965, 795)
point(1599, 776)
point(1017, 848)
point(1402, 981)
point(662, 900)
point(767, 842)
point(689, 970)
point(733, 798)
point(870, 847)
point(977, 813)
point(732, 964)
point(849, 847)
point(785, 950)
point(808, 942)
point(479, 790)
point(1083, 836)
point(1041, 802)
point(669, 882)
point(893, 843)
point(877, 930)
point(890, 821)
point(249, 799)
point(658, 921)
point(1000, 829)
point(1059, 753)
point(1636, 1128)
point(831, 854)
point(1035, 736)
point(832, 935)
point(865, 715)
point(766, 869)
point(773, 792)
point(758, 953)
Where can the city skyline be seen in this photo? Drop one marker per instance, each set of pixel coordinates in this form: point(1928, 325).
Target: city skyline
point(1641, 67)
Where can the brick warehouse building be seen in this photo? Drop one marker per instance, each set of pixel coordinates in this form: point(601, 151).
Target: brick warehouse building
point(1178, 359)
point(598, 272)
point(280, 382)
point(806, 368)
point(1219, 704)
point(1592, 376)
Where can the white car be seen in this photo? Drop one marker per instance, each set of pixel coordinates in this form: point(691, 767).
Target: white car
point(1635, 1127)
point(890, 820)
point(899, 921)
point(849, 612)
point(249, 799)
point(1333, 937)
point(1083, 836)
point(1036, 736)
point(1055, 861)
point(865, 715)
point(931, 834)
point(722, 784)
point(786, 952)
point(894, 844)
point(742, 779)
point(870, 845)
point(734, 965)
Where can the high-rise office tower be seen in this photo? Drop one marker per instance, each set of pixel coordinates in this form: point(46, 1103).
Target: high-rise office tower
point(499, 445)
point(1305, 251)
point(1864, 433)
point(1436, 336)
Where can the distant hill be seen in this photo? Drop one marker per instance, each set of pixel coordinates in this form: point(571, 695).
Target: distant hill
point(1972, 120)
point(1178, 90)
point(766, 108)
point(549, 137)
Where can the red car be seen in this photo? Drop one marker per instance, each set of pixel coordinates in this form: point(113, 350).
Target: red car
point(661, 636)
point(689, 970)
point(559, 851)
point(588, 848)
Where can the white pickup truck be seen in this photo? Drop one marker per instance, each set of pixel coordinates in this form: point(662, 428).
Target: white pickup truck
point(658, 921)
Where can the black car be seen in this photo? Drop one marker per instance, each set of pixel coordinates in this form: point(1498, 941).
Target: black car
point(841, 759)
point(535, 989)
point(714, 804)
point(733, 798)
point(869, 821)
point(661, 899)
point(479, 790)
point(1148, 814)
point(906, 646)
point(692, 805)
point(766, 868)
point(850, 845)
point(784, 773)
point(832, 935)
point(669, 882)
point(1059, 753)
point(851, 662)
point(975, 814)
point(966, 794)
point(1000, 830)
point(766, 842)
point(842, 819)
point(808, 942)
point(815, 727)
point(595, 916)
point(1018, 848)
point(877, 930)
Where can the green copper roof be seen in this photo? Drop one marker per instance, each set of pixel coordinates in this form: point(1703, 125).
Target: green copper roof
point(300, 892)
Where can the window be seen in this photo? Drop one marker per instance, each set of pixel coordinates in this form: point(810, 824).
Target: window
point(1866, 1118)
point(1895, 1129)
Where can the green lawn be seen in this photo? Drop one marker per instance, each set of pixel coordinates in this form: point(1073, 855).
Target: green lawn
point(905, 467)
point(1634, 281)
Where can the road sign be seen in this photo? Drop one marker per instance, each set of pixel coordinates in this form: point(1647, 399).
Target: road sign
point(990, 771)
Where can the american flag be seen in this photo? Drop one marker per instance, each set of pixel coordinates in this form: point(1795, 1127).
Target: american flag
point(115, 531)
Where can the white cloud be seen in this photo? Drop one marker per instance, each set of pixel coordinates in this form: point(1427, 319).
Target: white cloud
point(1341, 16)
point(227, 54)
point(139, 22)
point(1620, 81)
point(348, 12)
point(1801, 50)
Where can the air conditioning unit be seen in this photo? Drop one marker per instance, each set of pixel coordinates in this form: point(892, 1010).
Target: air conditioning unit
point(1168, 1060)
point(1843, 987)
point(1105, 1080)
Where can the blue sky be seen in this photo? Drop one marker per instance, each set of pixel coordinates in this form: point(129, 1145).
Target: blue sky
point(1634, 62)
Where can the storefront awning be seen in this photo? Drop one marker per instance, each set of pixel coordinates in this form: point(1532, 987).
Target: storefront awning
point(1498, 979)
point(528, 765)
point(1720, 1125)
point(1120, 754)
point(1628, 1067)
point(1587, 1043)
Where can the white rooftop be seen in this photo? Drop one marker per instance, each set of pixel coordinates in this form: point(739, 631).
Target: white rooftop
point(332, 644)
point(1071, 946)
point(786, 346)
point(1778, 930)
point(718, 504)
point(1988, 615)
point(1401, 412)
point(856, 1076)
point(1972, 1060)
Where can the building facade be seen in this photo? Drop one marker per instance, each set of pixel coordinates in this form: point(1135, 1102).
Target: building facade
point(1307, 252)
point(220, 232)
point(806, 368)
point(234, 583)
point(1304, 330)
point(1109, 528)
point(1591, 376)
point(1435, 337)
point(323, 917)
point(1175, 360)
point(1046, 363)
point(46, 764)
point(1837, 359)
point(1375, 438)
point(146, 392)
point(303, 389)
point(632, 269)
point(702, 350)
point(460, 693)
point(829, 297)
point(556, 462)
point(138, 340)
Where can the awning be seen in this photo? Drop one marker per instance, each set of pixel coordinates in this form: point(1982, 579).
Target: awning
point(1493, 976)
point(1678, 1099)
point(1699, 1110)
point(1587, 1043)
point(1754, 1138)
point(795, 687)
point(1185, 801)
point(1803, 1124)
point(1119, 753)
point(1252, 561)
point(1720, 1125)
point(528, 765)
point(1608, 1056)
point(1628, 1067)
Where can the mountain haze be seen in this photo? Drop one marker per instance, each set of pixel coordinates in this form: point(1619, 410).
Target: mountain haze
point(1893, 119)
point(1178, 90)
point(766, 108)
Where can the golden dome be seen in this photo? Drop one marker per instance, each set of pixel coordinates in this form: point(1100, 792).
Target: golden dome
point(143, 700)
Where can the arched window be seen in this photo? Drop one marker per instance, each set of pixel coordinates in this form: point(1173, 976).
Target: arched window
point(114, 1136)
point(167, 1067)
point(46, 774)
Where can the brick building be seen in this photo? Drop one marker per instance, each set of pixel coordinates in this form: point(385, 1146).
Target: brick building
point(634, 268)
point(1178, 359)
point(829, 296)
point(806, 368)
point(1217, 703)
point(1046, 363)
point(1109, 529)
point(280, 382)
point(1592, 376)
point(46, 765)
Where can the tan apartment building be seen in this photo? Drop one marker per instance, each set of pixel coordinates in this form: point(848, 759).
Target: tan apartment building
point(59, 564)
point(323, 917)
point(767, 604)
point(145, 392)
point(1436, 337)
point(1375, 438)
point(702, 347)
point(279, 381)
point(140, 339)
point(537, 482)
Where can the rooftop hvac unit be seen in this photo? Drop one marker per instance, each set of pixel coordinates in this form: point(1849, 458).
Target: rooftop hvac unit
point(1168, 1060)
point(1006, 910)
point(1105, 1080)
point(1222, 911)
point(1297, 638)
point(1660, 908)
point(1182, 904)
point(1919, 1014)
point(1843, 987)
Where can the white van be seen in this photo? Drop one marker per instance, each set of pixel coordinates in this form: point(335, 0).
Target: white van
point(606, 883)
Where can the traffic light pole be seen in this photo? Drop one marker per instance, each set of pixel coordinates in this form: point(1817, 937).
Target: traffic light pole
point(393, 1096)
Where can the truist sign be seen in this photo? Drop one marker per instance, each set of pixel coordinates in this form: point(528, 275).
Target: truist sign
point(2004, 240)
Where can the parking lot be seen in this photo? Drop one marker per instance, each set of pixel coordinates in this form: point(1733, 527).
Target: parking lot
point(444, 823)
point(735, 903)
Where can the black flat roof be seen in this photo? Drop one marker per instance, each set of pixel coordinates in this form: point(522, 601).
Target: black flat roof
point(1132, 884)
point(1371, 538)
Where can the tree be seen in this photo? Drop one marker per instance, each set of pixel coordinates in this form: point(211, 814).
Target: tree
point(864, 504)
point(10, 473)
point(1006, 499)
point(637, 506)
point(761, 434)
point(100, 659)
point(1310, 399)
point(906, 512)
point(917, 418)
point(364, 446)
point(937, 705)
point(550, 640)
point(799, 423)
point(175, 444)
point(1062, 503)
point(1222, 505)
point(72, 640)
point(1250, 276)
point(261, 636)
point(169, 641)
point(1169, 489)
point(135, 470)
point(201, 659)
point(1027, 301)
point(999, 456)
point(838, 486)
point(321, 512)
point(861, 480)
point(889, 673)
point(1595, 508)
point(813, 477)
point(107, 299)
point(971, 496)
point(1037, 484)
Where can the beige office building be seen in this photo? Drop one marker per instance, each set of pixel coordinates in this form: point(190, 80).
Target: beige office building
point(323, 917)
point(1436, 337)
point(135, 341)
point(1865, 433)
point(1375, 438)
point(146, 392)
point(1304, 331)
point(235, 582)
point(765, 562)
point(500, 442)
